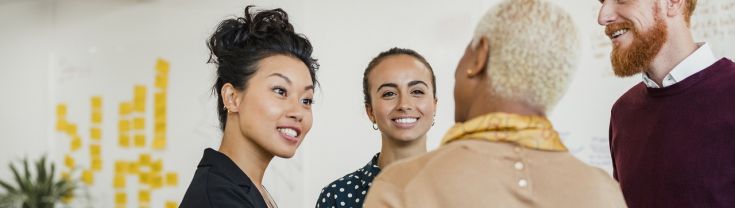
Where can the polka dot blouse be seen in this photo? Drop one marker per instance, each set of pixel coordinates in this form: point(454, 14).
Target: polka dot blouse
point(351, 189)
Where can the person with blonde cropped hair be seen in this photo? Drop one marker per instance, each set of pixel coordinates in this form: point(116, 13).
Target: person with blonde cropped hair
point(503, 151)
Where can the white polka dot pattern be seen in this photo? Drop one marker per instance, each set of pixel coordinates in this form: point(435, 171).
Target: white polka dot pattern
point(350, 190)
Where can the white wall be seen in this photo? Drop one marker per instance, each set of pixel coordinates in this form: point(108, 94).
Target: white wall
point(57, 51)
point(24, 114)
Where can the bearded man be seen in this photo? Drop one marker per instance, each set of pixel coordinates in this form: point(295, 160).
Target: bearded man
point(672, 136)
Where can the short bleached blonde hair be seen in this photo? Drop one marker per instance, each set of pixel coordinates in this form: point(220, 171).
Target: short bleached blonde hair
point(533, 48)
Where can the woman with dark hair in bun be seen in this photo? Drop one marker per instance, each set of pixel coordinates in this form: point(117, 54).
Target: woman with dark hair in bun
point(265, 86)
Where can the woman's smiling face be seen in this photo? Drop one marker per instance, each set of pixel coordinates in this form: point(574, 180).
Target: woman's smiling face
point(275, 107)
point(402, 101)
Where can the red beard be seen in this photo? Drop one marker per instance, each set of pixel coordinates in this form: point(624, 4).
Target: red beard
point(638, 56)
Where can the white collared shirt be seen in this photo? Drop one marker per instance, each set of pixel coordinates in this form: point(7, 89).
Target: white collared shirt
point(695, 62)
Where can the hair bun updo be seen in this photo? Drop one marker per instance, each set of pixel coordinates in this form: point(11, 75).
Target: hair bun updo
point(238, 44)
point(234, 35)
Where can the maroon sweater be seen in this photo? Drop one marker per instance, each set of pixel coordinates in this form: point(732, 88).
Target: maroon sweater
point(675, 146)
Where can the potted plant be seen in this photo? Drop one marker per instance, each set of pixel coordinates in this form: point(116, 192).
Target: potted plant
point(42, 190)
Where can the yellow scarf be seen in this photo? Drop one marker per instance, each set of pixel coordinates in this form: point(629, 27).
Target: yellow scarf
point(533, 132)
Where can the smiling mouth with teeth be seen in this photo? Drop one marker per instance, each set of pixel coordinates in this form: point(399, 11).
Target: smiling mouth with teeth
point(618, 33)
point(405, 120)
point(289, 132)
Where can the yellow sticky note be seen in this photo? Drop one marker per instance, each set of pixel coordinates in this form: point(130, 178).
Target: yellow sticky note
point(61, 125)
point(126, 108)
point(121, 198)
point(139, 106)
point(61, 111)
point(133, 168)
point(139, 140)
point(157, 166)
point(159, 99)
point(139, 98)
point(124, 140)
point(144, 196)
point(156, 181)
point(123, 125)
point(139, 91)
point(144, 177)
point(161, 81)
point(95, 133)
point(172, 179)
point(162, 66)
point(119, 181)
point(88, 177)
point(159, 125)
point(96, 103)
point(96, 117)
point(159, 134)
point(69, 161)
point(159, 143)
point(76, 143)
point(95, 150)
point(171, 204)
point(159, 114)
point(121, 167)
point(144, 159)
point(96, 164)
point(139, 123)
point(71, 129)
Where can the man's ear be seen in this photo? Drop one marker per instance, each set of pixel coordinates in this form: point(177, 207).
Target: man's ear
point(674, 7)
point(480, 53)
point(230, 97)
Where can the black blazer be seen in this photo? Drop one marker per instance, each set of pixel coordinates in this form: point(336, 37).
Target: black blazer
point(218, 182)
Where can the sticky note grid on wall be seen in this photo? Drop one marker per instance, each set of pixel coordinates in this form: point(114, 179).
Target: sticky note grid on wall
point(137, 177)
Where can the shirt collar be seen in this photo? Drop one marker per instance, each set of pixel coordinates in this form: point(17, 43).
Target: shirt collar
point(695, 62)
point(370, 170)
point(221, 163)
point(373, 162)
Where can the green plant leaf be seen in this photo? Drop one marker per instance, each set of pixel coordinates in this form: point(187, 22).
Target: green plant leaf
point(37, 185)
point(50, 182)
point(28, 181)
point(41, 170)
point(27, 173)
point(8, 188)
point(52, 173)
point(18, 180)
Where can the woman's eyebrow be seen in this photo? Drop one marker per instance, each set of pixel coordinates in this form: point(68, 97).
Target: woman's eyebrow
point(281, 76)
point(415, 82)
point(393, 85)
